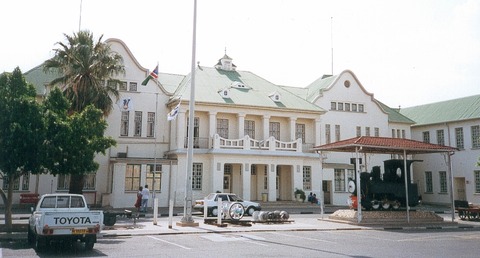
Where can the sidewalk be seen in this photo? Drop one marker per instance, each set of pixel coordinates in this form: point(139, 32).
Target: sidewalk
point(303, 217)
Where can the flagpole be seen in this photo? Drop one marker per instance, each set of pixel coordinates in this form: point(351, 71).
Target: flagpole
point(187, 219)
point(155, 201)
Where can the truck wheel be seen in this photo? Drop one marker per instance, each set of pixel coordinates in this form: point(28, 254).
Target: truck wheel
point(109, 220)
point(89, 242)
point(30, 237)
point(40, 243)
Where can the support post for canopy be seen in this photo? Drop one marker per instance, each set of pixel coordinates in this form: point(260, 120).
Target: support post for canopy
point(449, 167)
point(322, 196)
point(406, 184)
point(359, 191)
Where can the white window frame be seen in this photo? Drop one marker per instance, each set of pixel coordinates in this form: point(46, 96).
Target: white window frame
point(442, 176)
point(151, 124)
point(307, 178)
point(197, 176)
point(138, 123)
point(428, 182)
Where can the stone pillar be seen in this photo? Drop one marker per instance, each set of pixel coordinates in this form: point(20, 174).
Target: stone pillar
point(212, 126)
point(318, 132)
point(272, 183)
point(181, 127)
point(266, 127)
point(241, 125)
point(246, 177)
point(293, 121)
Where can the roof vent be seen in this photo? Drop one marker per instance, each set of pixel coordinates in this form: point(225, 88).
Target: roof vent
point(276, 97)
point(224, 93)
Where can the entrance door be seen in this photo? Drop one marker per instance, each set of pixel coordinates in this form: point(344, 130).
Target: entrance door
point(327, 185)
point(277, 185)
point(460, 189)
point(253, 186)
point(227, 180)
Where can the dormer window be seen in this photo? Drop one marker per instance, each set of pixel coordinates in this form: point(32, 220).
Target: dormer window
point(239, 85)
point(276, 97)
point(225, 63)
point(224, 93)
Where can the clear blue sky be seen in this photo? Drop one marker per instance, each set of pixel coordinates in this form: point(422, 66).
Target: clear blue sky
point(404, 52)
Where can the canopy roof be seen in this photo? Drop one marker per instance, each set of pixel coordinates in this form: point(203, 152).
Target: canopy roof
point(369, 144)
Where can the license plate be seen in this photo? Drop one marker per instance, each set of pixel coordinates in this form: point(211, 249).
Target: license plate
point(79, 231)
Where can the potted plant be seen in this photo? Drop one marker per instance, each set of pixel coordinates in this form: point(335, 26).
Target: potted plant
point(300, 195)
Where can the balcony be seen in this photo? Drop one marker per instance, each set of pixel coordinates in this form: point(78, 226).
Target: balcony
point(247, 143)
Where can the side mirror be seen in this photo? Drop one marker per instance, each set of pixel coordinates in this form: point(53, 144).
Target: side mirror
point(32, 209)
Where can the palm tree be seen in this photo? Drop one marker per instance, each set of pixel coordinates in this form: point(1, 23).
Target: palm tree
point(84, 66)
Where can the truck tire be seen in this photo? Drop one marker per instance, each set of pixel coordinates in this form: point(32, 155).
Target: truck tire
point(30, 237)
point(109, 219)
point(40, 243)
point(90, 242)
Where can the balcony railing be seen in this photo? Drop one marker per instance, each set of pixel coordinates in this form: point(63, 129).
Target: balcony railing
point(247, 143)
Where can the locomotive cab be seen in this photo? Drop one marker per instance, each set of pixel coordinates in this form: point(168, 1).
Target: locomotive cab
point(388, 192)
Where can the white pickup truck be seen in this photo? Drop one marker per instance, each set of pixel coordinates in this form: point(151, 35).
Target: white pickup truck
point(63, 217)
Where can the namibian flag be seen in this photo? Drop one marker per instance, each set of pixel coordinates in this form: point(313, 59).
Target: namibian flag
point(153, 75)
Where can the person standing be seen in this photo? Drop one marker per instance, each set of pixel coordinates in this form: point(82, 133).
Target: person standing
point(138, 202)
point(145, 196)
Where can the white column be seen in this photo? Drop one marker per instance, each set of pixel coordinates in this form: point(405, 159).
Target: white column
point(246, 177)
point(266, 127)
point(318, 132)
point(293, 121)
point(181, 129)
point(217, 176)
point(241, 125)
point(212, 126)
point(272, 183)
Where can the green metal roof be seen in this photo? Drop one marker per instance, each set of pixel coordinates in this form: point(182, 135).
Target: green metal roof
point(39, 78)
point(170, 81)
point(393, 115)
point(315, 88)
point(209, 81)
point(445, 111)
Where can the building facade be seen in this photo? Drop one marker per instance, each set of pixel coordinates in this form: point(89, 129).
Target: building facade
point(453, 123)
point(250, 136)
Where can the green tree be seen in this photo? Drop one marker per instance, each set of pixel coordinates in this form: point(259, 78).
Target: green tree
point(85, 65)
point(73, 141)
point(22, 134)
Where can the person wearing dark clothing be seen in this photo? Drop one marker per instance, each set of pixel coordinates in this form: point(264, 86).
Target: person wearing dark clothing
point(138, 202)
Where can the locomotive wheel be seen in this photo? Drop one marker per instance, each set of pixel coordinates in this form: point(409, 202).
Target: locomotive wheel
point(395, 205)
point(385, 204)
point(472, 215)
point(375, 205)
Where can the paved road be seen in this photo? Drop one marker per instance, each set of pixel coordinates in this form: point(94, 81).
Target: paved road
point(333, 243)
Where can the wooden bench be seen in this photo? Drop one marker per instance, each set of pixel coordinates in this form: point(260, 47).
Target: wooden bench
point(29, 198)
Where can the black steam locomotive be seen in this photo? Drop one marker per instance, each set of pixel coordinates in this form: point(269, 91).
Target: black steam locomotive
point(387, 192)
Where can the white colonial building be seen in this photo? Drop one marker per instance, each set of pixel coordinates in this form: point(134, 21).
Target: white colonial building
point(453, 123)
point(251, 137)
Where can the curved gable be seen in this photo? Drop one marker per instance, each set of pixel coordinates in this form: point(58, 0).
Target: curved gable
point(130, 55)
point(126, 53)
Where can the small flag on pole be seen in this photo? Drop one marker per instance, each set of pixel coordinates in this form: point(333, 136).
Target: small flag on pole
point(153, 75)
point(173, 114)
